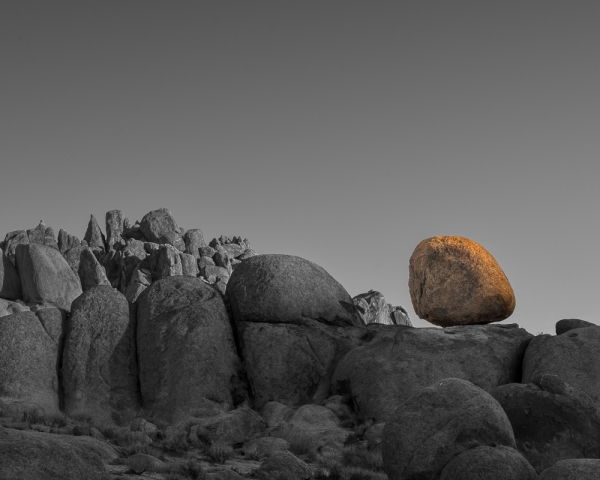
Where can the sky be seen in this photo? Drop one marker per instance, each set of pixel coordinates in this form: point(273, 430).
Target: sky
point(343, 132)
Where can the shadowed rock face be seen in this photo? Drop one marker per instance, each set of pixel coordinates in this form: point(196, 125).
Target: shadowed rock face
point(455, 281)
point(188, 362)
point(551, 420)
point(99, 359)
point(436, 424)
point(288, 289)
point(575, 469)
point(10, 283)
point(399, 361)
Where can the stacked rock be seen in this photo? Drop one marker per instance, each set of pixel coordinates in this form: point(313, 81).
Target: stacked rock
point(373, 308)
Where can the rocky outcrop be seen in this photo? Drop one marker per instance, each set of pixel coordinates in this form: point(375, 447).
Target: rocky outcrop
point(288, 289)
point(455, 281)
point(573, 356)
point(115, 226)
point(373, 308)
point(438, 423)
point(99, 364)
point(293, 364)
point(188, 365)
point(66, 241)
point(29, 360)
point(94, 236)
point(10, 283)
point(399, 361)
point(46, 276)
point(11, 240)
point(551, 420)
point(160, 227)
point(233, 428)
point(194, 241)
point(489, 463)
point(284, 465)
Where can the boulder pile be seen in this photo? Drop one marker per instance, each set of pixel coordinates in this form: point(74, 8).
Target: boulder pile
point(268, 357)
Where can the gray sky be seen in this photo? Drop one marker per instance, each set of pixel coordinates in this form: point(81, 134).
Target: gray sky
point(343, 132)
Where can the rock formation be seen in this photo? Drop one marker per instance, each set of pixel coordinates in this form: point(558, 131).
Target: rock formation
point(372, 308)
point(455, 281)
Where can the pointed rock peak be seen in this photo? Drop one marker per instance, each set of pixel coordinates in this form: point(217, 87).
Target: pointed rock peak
point(93, 235)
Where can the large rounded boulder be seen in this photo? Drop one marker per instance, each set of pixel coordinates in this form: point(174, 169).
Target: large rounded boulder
point(99, 359)
point(29, 360)
point(188, 364)
point(46, 276)
point(551, 420)
point(573, 356)
point(455, 281)
point(288, 289)
point(575, 469)
point(438, 423)
point(399, 361)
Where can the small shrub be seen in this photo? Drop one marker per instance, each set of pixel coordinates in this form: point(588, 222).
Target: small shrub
point(177, 444)
point(219, 452)
point(38, 417)
point(358, 455)
point(192, 469)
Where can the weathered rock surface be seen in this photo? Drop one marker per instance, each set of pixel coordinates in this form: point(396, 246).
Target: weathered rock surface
point(373, 308)
point(31, 455)
point(573, 356)
point(8, 307)
point(168, 262)
point(575, 469)
point(99, 360)
point(115, 226)
point(293, 364)
point(28, 365)
point(187, 356)
point(265, 446)
point(194, 241)
point(288, 289)
point(46, 276)
point(94, 236)
point(66, 242)
point(140, 280)
point(10, 283)
point(455, 281)
point(11, 240)
point(275, 413)
point(436, 424)
point(399, 361)
point(189, 265)
point(160, 227)
point(563, 326)
point(489, 463)
point(91, 273)
point(551, 420)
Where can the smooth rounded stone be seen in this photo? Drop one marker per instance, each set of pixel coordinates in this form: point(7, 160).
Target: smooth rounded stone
point(573, 469)
point(99, 359)
point(399, 361)
point(573, 356)
point(551, 420)
point(187, 355)
point(94, 236)
point(293, 364)
point(159, 226)
point(566, 324)
point(455, 281)
point(28, 365)
point(91, 273)
point(194, 241)
point(115, 226)
point(489, 463)
point(234, 427)
point(140, 463)
point(317, 427)
point(288, 289)
point(436, 424)
point(28, 455)
point(265, 446)
point(10, 282)
point(274, 413)
point(284, 465)
point(46, 276)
